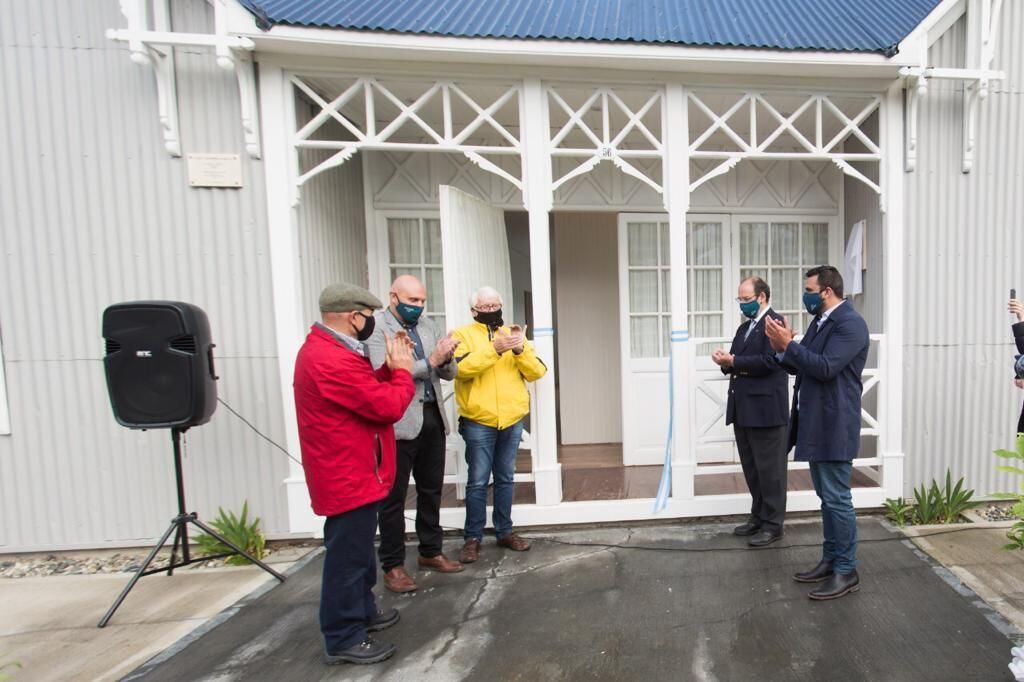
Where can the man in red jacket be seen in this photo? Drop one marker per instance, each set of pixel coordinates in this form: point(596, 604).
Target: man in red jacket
point(345, 414)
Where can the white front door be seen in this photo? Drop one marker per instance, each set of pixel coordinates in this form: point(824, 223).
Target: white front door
point(721, 249)
point(644, 281)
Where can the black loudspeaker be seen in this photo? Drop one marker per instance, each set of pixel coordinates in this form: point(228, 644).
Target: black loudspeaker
point(159, 364)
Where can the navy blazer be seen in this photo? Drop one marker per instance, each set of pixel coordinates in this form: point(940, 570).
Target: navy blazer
point(758, 386)
point(828, 365)
point(1018, 336)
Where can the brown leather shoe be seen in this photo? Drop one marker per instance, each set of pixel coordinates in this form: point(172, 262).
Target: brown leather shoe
point(470, 551)
point(441, 564)
point(514, 542)
point(397, 580)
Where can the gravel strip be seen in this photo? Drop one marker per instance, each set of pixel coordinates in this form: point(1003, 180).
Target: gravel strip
point(127, 561)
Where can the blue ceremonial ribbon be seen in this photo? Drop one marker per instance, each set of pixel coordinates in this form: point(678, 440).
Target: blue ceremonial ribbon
point(665, 486)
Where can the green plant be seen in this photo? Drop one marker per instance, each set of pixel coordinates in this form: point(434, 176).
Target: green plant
point(941, 505)
point(238, 530)
point(927, 505)
point(898, 511)
point(954, 499)
point(1016, 533)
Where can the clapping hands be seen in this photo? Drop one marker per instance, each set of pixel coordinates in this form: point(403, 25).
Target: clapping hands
point(722, 358)
point(780, 334)
point(444, 350)
point(513, 340)
point(399, 351)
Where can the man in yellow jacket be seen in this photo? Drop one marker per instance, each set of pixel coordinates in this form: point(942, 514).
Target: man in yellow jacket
point(495, 362)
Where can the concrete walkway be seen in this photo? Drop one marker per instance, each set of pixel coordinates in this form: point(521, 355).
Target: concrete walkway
point(699, 606)
point(49, 623)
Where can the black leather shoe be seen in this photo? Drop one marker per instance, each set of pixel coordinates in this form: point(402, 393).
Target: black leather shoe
point(763, 538)
point(839, 585)
point(383, 620)
point(823, 571)
point(368, 651)
point(748, 528)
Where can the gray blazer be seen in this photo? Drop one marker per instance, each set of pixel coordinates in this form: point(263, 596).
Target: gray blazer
point(409, 426)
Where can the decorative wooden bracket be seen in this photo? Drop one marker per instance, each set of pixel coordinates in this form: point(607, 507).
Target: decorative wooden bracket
point(982, 28)
point(151, 41)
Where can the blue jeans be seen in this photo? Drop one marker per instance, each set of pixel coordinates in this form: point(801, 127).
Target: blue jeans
point(838, 519)
point(489, 450)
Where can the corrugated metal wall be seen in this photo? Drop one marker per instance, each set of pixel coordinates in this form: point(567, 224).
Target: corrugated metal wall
point(93, 211)
point(331, 221)
point(965, 250)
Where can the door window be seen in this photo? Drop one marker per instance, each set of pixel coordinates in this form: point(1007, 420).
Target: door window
point(649, 289)
point(780, 253)
point(414, 248)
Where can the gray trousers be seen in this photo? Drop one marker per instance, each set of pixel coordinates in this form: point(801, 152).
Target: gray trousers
point(763, 457)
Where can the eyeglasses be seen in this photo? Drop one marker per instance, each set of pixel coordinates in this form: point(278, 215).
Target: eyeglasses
point(746, 300)
point(488, 307)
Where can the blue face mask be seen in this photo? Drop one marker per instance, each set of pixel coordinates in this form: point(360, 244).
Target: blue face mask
point(812, 302)
point(410, 314)
point(750, 308)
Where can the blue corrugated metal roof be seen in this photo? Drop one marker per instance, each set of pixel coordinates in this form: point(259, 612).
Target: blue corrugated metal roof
point(840, 25)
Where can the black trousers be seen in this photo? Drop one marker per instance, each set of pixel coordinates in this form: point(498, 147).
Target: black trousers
point(350, 572)
point(423, 456)
point(1020, 424)
point(763, 456)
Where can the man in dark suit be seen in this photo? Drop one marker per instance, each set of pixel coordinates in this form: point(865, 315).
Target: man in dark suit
point(758, 409)
point(1017, 308)
point(825, 424)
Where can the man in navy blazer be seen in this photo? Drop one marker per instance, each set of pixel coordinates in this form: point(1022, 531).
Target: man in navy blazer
point(825, 423)
point(758, 409)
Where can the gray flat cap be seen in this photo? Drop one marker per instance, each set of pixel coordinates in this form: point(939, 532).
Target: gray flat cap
point(343, 298)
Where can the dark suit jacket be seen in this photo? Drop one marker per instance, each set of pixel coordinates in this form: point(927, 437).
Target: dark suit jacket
point(758, 386)
point(1018, 336)
point(828, 365)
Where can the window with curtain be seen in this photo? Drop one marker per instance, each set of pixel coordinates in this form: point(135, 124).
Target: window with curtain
point(780, 253)
point(649, 292)
point(414, 248)
point(704, 271)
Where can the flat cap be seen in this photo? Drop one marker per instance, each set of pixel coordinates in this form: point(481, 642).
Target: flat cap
point(344, 297)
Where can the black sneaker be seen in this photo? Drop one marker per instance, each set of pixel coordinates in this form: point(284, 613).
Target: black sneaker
point(368, 651)
point(383, 620)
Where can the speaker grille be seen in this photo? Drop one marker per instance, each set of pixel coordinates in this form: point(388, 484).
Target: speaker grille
point(112, 346)
point(184, 344)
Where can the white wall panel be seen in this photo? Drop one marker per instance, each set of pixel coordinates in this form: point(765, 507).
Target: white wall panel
point(93, 211)
point(587, 314)
point(965, 249)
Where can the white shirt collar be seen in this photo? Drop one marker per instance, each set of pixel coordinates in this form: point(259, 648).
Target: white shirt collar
point(825, 315)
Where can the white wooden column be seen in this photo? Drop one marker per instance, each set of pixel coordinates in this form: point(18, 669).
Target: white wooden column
point(891, 360)
point(278, 108)
point(676, 164)
point(537, 196)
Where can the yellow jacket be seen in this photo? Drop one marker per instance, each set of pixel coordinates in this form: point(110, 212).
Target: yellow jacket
point(491, 389)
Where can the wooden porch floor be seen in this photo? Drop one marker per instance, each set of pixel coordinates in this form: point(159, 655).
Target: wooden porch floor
point(595, 472)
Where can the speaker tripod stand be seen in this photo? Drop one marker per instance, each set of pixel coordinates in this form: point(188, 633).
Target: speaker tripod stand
point(179, 526)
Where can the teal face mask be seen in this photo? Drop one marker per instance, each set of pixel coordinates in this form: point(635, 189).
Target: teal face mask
point(410, 314)
point(812, 302)
point(750, 308)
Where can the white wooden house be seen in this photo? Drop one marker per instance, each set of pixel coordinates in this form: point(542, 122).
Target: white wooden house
point(616, 176)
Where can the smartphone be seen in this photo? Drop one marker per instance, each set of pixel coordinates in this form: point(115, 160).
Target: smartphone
point(1013, 294)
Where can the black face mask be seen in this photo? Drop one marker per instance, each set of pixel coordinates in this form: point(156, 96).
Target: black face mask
point(368, 323)
point(491, 319)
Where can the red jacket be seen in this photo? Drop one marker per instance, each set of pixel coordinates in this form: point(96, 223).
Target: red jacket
point(345, 411)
